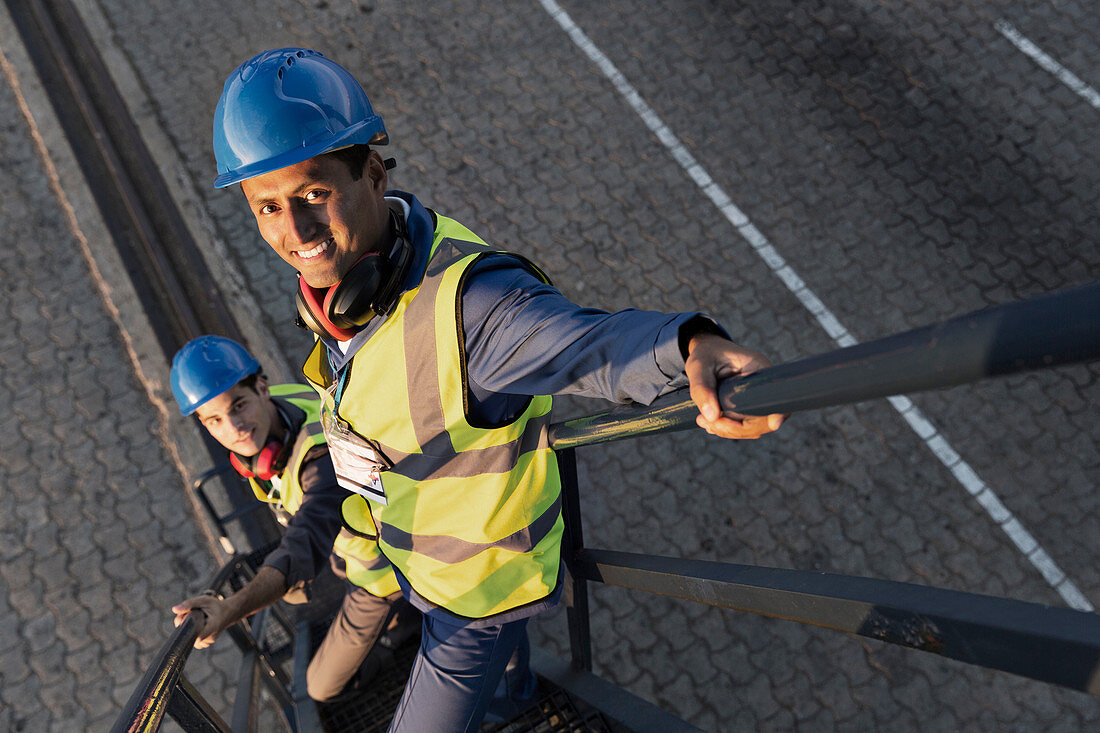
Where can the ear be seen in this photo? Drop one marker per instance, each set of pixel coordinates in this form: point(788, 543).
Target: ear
point(261, 387)
point(375, 172)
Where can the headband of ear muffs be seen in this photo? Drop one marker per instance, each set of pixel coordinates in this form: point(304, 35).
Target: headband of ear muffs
point(369, 288)
point(263, 465)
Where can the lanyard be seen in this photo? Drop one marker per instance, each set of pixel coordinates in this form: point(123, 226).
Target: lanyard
point(341, 382)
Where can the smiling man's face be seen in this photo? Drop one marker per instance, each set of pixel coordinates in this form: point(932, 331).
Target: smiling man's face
point(319, 218)
point(241, 418)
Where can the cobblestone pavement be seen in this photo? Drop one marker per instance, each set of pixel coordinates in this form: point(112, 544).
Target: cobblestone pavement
point(93, 551)
point(904, 158)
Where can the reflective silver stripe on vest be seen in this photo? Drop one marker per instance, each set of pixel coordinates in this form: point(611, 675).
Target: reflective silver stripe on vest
point(459, 248)
point(452, 550)
point(438, 458)
point(419, 329)
point(441, 461)
point(301, 444)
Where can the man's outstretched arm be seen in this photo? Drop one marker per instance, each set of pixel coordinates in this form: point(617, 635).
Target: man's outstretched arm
point(524, 337)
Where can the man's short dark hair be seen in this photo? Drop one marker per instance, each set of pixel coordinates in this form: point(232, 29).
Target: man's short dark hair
point(249, 382)
point(354, 157)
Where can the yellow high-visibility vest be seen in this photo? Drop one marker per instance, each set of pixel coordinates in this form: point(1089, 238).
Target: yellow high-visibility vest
point(365, 565)
point(472, 516)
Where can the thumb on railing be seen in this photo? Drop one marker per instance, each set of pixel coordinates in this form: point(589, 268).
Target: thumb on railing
point(711, 358)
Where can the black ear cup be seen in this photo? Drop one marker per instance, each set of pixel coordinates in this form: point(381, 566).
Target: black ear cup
point(351, 302)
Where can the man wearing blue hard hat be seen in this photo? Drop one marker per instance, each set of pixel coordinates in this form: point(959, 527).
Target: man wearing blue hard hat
point(436, 357)
point(275, 440)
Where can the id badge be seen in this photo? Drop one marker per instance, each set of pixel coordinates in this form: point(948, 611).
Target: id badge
point(358, 463)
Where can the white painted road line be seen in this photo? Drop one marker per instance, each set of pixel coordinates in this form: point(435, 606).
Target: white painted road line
point(967, 477)
point(1037, 55)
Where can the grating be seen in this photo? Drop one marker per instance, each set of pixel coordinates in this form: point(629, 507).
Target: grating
point(372, 709)
point(554, 713)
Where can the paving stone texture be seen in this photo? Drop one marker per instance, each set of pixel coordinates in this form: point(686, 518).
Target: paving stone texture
point(95, 542)
point(906, 160)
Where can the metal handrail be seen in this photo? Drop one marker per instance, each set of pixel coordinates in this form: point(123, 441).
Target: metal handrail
point(1055, 645)
point(1054, 329)
point(146, 707)
point(164, 689)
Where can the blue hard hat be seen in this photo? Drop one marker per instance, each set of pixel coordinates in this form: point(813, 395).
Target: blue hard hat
point(207, 366)
point(285, 106)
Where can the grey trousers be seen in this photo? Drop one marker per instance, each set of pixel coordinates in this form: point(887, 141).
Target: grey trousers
point(361, 620)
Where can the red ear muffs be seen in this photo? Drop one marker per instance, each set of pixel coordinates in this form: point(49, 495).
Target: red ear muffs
point(262, 465)
point(241, 467)
point(313, 311)
point(264, 461)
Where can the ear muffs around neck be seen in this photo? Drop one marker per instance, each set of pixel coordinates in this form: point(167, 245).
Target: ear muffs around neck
point(262, 465)
point(369, 288)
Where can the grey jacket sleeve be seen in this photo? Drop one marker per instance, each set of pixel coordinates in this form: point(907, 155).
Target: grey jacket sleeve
point(523, 337)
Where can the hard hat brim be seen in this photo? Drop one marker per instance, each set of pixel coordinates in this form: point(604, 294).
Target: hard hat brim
point(368, 132)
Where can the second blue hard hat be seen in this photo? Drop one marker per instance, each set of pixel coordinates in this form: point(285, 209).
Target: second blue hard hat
point(288, 105)
point(207, 366)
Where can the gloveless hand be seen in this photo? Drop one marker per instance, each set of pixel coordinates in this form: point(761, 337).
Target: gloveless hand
point(711, 359)
point(213, 616)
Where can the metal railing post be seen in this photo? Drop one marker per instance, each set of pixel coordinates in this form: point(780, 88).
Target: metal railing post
point(246, 703)
point(260, 529)
point(575, 591)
